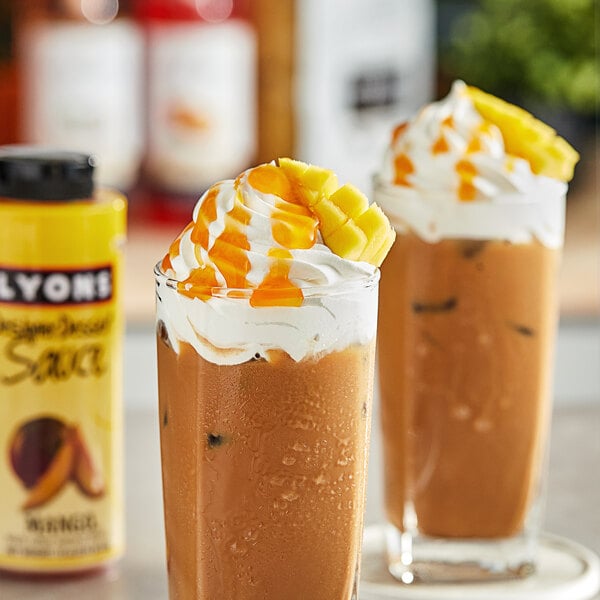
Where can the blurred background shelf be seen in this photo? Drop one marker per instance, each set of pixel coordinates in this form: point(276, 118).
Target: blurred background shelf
point(172, 95)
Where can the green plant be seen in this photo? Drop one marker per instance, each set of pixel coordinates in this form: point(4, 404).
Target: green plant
point(536, 50)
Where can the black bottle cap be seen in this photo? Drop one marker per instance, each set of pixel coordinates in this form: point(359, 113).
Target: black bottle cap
point(33, 173)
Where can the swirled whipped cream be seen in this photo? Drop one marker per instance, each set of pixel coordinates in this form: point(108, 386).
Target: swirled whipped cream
point(447, 174)
point(250, 274)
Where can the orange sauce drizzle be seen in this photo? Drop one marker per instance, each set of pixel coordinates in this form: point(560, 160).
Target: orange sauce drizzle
point(293, 226)
point(166, 263)
point(270, 179)
point(403, 167)
point(474, 145)
point(398, 131)
point(448, 122)
point(229, 254)
point(466, 191)
point(440, 145)
point(239, 213)
point(276, 289)
point(467, 172)
point(206, 215)
point(200, 283)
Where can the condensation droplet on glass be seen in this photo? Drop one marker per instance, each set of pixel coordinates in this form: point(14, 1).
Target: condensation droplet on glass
point(300, 447)
point(461, 412)
point(484, 339)
point(482, 425)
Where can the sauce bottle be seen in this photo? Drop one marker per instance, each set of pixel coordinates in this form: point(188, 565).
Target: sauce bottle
point(61, 458)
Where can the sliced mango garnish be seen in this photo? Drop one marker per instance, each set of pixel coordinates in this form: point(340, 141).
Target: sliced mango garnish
point(527, 137)
point(305, 201)
point(349, 226)
point(315, 181)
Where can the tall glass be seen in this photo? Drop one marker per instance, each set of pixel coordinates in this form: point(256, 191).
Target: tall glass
point(466, 338)
point(264, 460)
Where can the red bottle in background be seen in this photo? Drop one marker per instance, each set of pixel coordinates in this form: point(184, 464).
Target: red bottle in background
point(201, 98)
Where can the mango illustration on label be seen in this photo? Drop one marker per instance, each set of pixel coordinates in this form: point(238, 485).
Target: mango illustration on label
point(45, 453)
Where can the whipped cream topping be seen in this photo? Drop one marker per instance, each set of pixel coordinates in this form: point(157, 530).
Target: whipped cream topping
point(229, 331)
point(447, 174)
point(249, 274)
point(253, 233)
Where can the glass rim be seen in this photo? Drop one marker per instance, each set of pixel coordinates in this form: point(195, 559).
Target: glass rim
point(338, 288)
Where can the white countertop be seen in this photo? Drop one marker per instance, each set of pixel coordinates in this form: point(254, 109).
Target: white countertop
point(572, 507)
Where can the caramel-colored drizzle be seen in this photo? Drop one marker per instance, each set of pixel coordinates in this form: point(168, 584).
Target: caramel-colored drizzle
point(206, 215)
point(398, 131)
point(403, 167)
point(474, 145)
point(440, 145)
point(167, 263)
point(292, 226)
point(466, 173)
point(448, 122)
point(276, 289)
point(270, 179)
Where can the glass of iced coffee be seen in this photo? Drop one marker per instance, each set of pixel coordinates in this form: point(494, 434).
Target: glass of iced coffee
point(265, 336)
point(475, 188)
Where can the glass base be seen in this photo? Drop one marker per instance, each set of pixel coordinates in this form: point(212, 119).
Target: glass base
point(415, 558)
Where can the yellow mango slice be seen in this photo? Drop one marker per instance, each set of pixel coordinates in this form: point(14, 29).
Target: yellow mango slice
point(293, 168)
point(321, 180)
point(527, 137)
point(349, 241)
point(350, 200)
point(315, 181)
point(348, 225)
point(373, 221)
point(331, 217)
point(376, 257)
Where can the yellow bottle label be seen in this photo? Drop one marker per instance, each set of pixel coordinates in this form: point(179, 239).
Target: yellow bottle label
point(61, 458)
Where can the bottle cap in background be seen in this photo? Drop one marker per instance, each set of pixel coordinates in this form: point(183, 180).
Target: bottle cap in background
point(30, 173)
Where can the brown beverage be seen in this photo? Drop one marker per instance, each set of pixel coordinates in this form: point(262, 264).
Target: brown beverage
point(272, 473)
point(476, 190)
point(265, 360)
point(465, 418)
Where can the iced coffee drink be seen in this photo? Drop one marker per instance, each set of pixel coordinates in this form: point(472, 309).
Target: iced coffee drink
point(467, 324)
point(267, 308)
